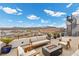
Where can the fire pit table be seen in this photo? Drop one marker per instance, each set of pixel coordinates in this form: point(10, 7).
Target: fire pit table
point(52, 50)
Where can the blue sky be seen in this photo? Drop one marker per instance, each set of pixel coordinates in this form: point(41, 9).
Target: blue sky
point(36, 14)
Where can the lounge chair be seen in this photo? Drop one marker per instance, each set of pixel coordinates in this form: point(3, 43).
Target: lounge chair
point(20, 52)
point(65, 43)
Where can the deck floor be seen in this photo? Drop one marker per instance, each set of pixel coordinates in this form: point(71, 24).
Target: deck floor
point(66, 52)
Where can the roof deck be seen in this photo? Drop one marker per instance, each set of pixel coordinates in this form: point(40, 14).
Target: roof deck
point(66, 52)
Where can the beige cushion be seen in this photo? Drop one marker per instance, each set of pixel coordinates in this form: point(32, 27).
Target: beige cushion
point(65, 39)
point(21, 51)
point(33, 39)
point(39, 38)
point(63, 43)
point(38, 43)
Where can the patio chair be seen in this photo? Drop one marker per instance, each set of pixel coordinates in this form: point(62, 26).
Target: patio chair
point(20, 52)
point(65, 44)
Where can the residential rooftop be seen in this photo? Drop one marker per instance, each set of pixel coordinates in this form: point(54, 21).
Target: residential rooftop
point(66, 52)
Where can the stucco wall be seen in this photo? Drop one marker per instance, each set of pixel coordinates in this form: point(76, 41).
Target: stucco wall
point(75, 30)
point(77, 27)
point(20, 42)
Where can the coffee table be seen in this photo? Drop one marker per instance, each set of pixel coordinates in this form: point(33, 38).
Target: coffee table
point(52, 50)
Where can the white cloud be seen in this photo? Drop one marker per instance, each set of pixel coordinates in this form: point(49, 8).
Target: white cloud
point(63, 19)
point(20, 21)
point(19, 14)
point(9, 10)
point(33, 17)
point(53, 13)
point(53, 24)
point(19, 9)
point(58, 25)
point(10, 20)
point(62, 25)
point(44, 21)
point(69, 5)
point(76, 12)
point(1, 7)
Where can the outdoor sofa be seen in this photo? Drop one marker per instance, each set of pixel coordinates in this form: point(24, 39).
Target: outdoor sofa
point(36, 41)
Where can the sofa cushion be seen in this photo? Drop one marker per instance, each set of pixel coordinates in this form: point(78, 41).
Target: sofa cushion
point(33, 39)
point(39, 38)
point(63, 43)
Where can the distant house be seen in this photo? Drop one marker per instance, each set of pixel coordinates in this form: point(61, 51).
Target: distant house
point(72, 25)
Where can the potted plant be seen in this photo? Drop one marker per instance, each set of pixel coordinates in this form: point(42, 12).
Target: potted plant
point(48, 36)
point(58, 35)
point(7, 47)
point(62, 34)
point(54, 36)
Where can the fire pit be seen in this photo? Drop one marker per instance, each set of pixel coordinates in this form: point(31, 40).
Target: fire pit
point(52, 50)
point(51, 47)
